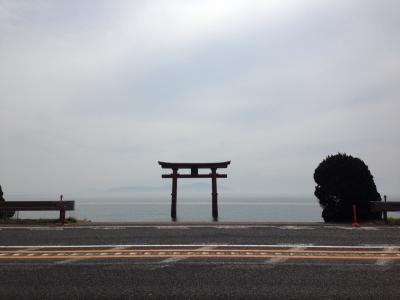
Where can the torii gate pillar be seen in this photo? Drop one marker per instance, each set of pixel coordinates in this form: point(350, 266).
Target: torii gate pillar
point(174, 193)
point(214, 194)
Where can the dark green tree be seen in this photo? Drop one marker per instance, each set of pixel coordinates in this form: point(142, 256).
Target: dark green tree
point(1, 194)
point(5, 214)
point(343, 180)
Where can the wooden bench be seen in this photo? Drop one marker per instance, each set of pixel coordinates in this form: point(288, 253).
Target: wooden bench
point(379, 206)
point(61, 206)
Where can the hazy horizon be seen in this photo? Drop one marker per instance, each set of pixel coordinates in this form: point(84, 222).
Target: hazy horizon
point(94, 93)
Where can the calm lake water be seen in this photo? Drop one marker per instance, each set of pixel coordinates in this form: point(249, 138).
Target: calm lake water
point(189, 208)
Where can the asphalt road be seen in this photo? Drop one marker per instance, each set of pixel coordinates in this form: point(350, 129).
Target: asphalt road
point(243, 261)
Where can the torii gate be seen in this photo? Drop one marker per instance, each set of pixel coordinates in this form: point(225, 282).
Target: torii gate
point(194, 167)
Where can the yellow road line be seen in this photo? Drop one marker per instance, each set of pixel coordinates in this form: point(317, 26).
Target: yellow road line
point(307, 257)
point(196, 250)
point(276, 254)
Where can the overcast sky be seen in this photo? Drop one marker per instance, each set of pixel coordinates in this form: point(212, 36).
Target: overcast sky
point(94, 93)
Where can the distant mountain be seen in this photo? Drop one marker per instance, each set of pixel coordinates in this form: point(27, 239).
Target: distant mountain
point(187, 187)
point(127, 189)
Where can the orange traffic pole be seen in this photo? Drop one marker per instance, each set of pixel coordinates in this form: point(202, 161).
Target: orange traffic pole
point(355, 223)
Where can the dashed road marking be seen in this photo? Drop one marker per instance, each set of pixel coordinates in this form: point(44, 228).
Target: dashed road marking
point(67, 261)
point(274, 261)
point(254, 246)
point(384, 261)
point(169, 261)
point(170, 256)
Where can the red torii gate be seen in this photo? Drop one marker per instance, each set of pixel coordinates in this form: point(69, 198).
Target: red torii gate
point(194, 167)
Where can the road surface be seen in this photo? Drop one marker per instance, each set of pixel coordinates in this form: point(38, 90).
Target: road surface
point(199, 261)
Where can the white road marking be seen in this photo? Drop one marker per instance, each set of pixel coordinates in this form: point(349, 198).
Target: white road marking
point(363, 246)
point(297, 227)
point(29, 249)
point(22, 250)
point(45, 228)
point(108, 228)
point(275, 261)
point(217, 226)
point(119, 247)
point(67, 261)
point(33, 248)
point(172, 227)
point(367, 228)
point(237, 227)
point(371, 228)
point(383, 261)
point(170, 260)
point(339, 265)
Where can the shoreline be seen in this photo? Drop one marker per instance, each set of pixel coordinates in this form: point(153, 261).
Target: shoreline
point(87, 223)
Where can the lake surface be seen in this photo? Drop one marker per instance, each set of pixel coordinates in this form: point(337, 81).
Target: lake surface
point(189, 208)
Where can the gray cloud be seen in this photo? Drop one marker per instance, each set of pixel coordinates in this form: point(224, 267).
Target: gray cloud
point(93, 93)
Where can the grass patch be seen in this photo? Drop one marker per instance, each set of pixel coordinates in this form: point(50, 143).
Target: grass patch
point(391, 221)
